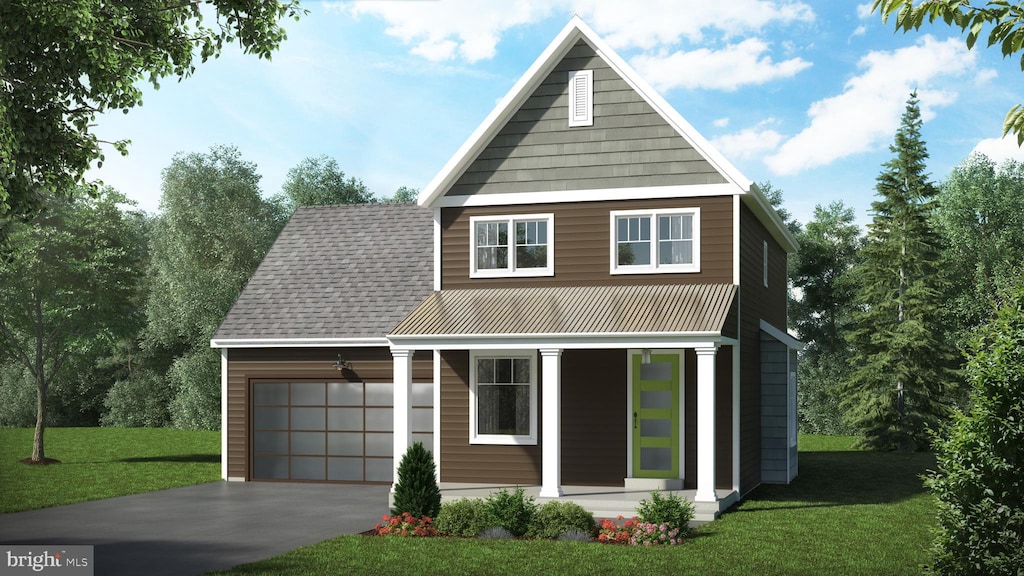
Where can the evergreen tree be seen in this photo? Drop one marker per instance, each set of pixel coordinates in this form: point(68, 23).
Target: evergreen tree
point(416, 491)
point(899, 385)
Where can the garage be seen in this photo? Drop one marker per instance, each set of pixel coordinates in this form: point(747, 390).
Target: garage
point(330, 431)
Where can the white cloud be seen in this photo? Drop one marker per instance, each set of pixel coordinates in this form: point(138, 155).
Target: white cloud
point(1001, 149)
point(720, 122)
point(867, 112)
point(736, 65)
point(864, 10)
point(859, 31)
point(467, 29)
point(749, 142)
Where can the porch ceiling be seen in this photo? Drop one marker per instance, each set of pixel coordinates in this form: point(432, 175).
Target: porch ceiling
point(575, 310)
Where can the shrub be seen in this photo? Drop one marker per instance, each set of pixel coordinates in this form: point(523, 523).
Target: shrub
point(650, 534)
point(463, 517)
point(671, 510)
point(496, 533)
point(416, 490)
point(512, 511)
point(137, 402)
point(611, 532)
point(979, 484)
point(554, 518)
point(405, 525)
point(576, 536)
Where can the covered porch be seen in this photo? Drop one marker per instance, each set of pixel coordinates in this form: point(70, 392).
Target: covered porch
point(543, 326)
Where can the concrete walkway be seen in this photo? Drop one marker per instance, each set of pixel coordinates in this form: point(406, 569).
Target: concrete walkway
point(197, 529)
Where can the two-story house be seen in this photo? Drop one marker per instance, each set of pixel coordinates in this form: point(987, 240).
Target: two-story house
point(587, 294)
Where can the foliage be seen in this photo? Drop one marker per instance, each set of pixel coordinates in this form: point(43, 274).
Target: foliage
point(66, 284)
point(405, 524)
point(512, 511)
point(980, 479)
point(318, 181)
point(981, 216)
point(137, 402)
point(1004, 21)
point(463, 517)
point(651, 534)
point(611, 532)
point(671, 510)
point(214, 230)
point(902, 376)
point(404, 194)
point(819, 394)
point(66, 62)
point(18, 390)
point(576, 536)
point(554, 518)
point(496, 533)
point(416, 491)
point(774, 197)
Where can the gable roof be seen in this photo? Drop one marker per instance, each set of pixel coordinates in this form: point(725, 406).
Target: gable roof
point(336, 276)
point(575, 31)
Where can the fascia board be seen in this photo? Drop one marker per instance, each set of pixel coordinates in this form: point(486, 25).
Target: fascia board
point(781, 336)
point(600, 194)
point(299, 342)
point(563, 341)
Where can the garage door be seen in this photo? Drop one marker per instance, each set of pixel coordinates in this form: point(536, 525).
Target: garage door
point(330, 431)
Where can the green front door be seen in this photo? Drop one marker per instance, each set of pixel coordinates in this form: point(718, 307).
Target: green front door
point(655, 416)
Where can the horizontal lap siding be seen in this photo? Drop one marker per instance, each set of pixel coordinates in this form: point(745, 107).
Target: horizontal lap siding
point(628, 145)
point(244, 364)
point(757, 303)
point(594, 433)
point(582, 237)
point(463, 462)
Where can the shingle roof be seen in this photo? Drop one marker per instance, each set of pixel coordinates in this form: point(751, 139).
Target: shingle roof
point(351, 271)
point(673, 308)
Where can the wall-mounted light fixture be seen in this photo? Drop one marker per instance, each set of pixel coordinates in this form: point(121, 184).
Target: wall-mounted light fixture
point(341, 364)
point(645, 356)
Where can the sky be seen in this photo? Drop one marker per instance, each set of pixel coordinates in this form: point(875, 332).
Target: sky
point(804, 95)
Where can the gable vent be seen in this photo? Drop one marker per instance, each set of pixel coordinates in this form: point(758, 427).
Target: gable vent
point(581, 98)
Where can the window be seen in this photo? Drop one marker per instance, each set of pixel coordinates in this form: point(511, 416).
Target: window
point(653, 241)
point(581, 98)
point(512, 246)
point(503, 397)
point(765, 265)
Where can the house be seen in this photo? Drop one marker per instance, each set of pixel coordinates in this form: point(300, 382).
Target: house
point(586, 295)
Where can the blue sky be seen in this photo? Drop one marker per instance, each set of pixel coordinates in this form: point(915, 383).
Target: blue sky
point(806, 95)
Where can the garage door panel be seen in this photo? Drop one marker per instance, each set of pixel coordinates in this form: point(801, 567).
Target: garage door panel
point(345, 419)
point(270, 467)
point(380, 419)
point(312, 443)
point(270, 418)
point(308, 393)
point(379, 444)
point(269, 393)
point(308, 419)
point(308, 468)
point(345, 393)
point(345, 469)
point(379, 394)
point(266, 442)
point(379, 469)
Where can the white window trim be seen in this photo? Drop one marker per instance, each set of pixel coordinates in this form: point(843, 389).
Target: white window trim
point(588, 118)
point(654, 267)
point(511, 270)
point(507, 439)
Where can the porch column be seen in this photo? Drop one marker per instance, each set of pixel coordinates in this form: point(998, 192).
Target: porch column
point(551, 445)
point(706, 424)
point(402, 435)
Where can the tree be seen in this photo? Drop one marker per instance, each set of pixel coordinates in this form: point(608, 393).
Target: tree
point(774, 197)
point(902, 375)
point(1004, 20)
point(404, 194)
point(318, 181)
point(66, 62)
point(981, 216)
point(212, 233)
point(979, 483)
point(820, 272)
point(67, 279)
point(416, 490)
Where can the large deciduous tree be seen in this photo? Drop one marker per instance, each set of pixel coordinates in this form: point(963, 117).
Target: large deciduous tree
point(1003, 21)
point(63, 63)
point(67, 280)
point(898, 388)
point(212, 233)
point(319, 181)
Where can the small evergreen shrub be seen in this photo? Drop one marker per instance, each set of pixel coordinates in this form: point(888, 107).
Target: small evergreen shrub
point(576, 536)
point(554, 518)
point(512, 511)
point(416, 491)
point(671, 510)
point(463, 517)
point(496, 533)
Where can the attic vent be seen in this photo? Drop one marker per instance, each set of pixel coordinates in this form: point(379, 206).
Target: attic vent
point(581, 98)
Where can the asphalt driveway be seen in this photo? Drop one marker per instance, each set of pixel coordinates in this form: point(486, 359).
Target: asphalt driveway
point(196, 529)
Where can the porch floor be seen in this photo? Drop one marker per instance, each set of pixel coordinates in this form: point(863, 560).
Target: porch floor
point(601, 501)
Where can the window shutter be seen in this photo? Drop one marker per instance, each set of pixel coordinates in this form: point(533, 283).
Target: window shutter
point(581, 98)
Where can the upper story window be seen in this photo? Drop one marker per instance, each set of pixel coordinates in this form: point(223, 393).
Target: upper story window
point(581, 98)
point(521, 245)
point(655, 241)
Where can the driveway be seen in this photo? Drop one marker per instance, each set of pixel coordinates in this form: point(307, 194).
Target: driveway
point(196, 529)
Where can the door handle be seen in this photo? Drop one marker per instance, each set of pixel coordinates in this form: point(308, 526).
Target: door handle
point(634, 420)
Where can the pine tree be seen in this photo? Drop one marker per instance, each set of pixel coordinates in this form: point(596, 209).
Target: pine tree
point(898, 388)
point(416, 491)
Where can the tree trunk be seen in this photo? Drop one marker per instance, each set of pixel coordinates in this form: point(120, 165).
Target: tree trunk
point(38, 451)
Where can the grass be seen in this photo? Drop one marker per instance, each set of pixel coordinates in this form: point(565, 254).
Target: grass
point(849, 512)
point(101, 463)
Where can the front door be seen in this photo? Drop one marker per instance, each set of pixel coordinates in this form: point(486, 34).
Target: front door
point(655, 416)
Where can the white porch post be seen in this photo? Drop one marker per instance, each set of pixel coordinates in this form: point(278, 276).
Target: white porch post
point(551, 445)
point(706, 424)
point(223, 413)
point(402, 360)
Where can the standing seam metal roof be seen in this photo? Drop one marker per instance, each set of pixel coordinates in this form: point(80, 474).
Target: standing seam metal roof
point(673, 308)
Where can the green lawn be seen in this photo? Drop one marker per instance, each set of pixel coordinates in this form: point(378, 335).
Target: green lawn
point(849, 512)
point(101, 463)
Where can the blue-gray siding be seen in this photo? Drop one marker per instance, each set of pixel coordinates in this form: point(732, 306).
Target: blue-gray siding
point(628, 145)
point(778, 453)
